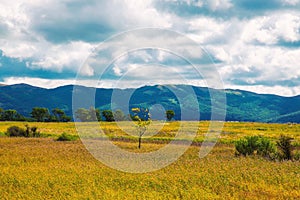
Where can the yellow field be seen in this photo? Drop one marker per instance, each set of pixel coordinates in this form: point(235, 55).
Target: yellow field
point(230, 132)
point(42, 168)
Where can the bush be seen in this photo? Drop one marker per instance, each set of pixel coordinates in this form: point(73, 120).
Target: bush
point(285, 147)
point(266, 148)
point(297, 156)
point(66, 137)
point(15, 131)
point(247, 145)
point(255, 144)
point(32, 131)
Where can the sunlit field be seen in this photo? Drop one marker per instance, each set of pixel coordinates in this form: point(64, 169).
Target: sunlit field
point(43, 168)
point(230, 132)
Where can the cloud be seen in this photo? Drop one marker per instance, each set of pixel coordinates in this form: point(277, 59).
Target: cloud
point(63, 56)
point(91, 21)
point(260, 65)
point(254, 44)
point(269, 30)
point(15, 67)
point(291, 2)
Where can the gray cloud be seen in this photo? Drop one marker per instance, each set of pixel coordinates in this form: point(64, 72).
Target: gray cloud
point(48, 39)
point(76, 20)
point(225, 9)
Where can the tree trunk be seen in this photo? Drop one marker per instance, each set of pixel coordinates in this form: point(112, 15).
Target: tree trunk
point(140, 141)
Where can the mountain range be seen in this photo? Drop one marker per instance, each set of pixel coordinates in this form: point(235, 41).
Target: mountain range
point(185, 100)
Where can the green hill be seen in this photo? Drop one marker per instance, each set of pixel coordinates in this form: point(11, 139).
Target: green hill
point(240, 105)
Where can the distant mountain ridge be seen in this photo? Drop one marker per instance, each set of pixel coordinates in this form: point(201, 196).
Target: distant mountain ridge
point(240, 105)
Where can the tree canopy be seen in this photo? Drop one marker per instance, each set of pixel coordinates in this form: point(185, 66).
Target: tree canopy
point(88, 115)
point(170, 114)
point(40, 114)
point(108, 115)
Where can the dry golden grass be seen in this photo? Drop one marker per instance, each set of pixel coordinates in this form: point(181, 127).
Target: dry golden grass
point(42, 168)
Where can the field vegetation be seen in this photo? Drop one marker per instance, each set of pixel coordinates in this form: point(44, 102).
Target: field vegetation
point(44, 168)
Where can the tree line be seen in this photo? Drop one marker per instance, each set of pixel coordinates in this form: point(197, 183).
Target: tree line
point(92, 114)
point(37, 114)
point(41, 114)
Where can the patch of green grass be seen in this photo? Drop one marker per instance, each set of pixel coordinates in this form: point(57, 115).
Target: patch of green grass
point(67, 137)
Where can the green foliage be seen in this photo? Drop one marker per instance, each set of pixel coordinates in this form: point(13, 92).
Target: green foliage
point(82, 114)
point(255, 144)
point(247, 146)
point(59, 116)
point(108, 115)
point(140, 114)
point(142, 120)
point(67, 137)
point(95, 114)
point(297, 156)
point(119, 115)
point(170, 114)
point(15, 131)
point(88, 115)
point(285, 147)
point(40, 114)
point(266, 148)
point(1, 114)
point(10, 115)
point(32, 131)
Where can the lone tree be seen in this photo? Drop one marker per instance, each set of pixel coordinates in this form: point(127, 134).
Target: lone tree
point(141, 117)
point(170, 114)
point(40, 114)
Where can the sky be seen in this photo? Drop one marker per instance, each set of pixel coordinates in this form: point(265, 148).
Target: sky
point(253, 44)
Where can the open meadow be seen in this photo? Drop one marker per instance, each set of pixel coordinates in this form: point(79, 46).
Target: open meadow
point(43, 168)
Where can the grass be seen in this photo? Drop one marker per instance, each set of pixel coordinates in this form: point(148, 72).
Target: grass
point(42, 168)
point(231, 131)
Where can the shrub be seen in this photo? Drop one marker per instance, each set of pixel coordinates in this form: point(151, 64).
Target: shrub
point(34, 132)
point(15, 131)
point(266, 148)
point(297, 156)
point(285, 147)
point(247, 146)
point(66, 137)
point(255, 144)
